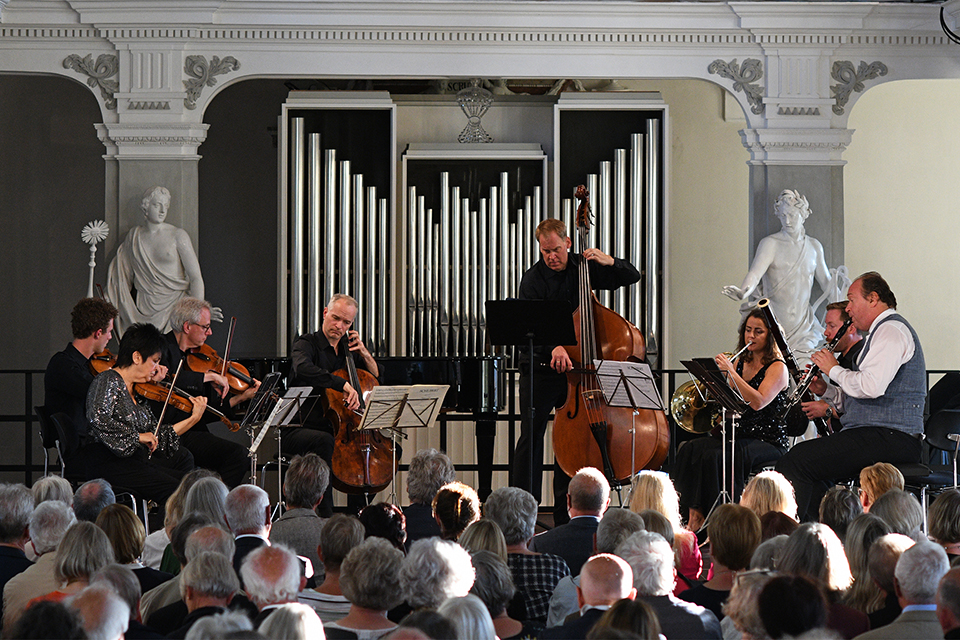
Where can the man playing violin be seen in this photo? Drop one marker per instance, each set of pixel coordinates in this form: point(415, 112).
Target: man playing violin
point(555, 277)
point(190, 320)
point(315, 357)
point(68, 374)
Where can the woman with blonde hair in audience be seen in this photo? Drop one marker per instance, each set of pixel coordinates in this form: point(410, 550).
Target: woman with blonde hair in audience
point(127, 534)
point(633, 616)
point(456, 506)
point(769, 491)
point(815, 552)
point(655, 490)
point(876, 480)
point(944, 522)
point(484, 535)
point(864, 595)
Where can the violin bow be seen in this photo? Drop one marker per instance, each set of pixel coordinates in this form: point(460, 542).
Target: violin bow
point(226, 350)
point(166, 403)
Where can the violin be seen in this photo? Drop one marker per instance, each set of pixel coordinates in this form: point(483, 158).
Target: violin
point(205, 358)
point(156, 391)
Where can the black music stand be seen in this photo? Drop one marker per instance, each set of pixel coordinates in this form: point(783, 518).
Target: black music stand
point(530, 323)
point(716, 381)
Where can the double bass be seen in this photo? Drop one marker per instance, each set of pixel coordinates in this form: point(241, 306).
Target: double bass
point(362, 458)
point(587, 432)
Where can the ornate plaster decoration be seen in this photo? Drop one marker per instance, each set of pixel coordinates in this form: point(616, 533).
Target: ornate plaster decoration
point(743, 78)
point(798, 111)
point(98, 74)
point(149, 105)
point(203, 74)
point(851, 80)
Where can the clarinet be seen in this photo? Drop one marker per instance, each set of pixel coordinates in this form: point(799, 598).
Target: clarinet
point(802, 391)
point(792, 415)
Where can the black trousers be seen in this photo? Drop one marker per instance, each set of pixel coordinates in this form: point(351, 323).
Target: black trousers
point(550, 392)
point(226, 457)
point(813, 466)
point(155, 477)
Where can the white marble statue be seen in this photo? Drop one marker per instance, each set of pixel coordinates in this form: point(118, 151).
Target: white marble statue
point(783, 271)
point(155, 267)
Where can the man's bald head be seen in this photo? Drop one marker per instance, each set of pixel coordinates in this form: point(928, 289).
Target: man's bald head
point(588, 493)
point(604, 579)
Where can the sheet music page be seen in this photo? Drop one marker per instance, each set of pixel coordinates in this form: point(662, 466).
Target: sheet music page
point(423, 405)
point(403, 406)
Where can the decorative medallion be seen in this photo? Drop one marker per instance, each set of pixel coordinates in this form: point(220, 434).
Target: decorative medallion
point(851, 80)
point(203, 74)
point(98, 74)
point(743, 78)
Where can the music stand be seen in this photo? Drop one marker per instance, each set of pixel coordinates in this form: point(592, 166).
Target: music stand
point(628, 384)
point(716, 381)
point(530, 323)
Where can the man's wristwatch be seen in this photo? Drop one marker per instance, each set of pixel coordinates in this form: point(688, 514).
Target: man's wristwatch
point(829, 414)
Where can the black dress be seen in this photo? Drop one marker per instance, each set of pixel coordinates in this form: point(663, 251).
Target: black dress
point(760, 439)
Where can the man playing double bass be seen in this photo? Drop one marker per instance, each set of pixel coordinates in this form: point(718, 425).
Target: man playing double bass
point(316, 356)
point(555, 277)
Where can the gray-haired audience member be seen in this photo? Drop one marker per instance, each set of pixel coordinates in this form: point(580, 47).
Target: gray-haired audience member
point(839, 506)
point(84, 550)
point(272, 578)
point(207, 585)
point(740, 609)
point(248, 516)
point(103, 614)
point(125, 584)
point(901, 510)
point(494, 586)
point(948, 603)
point(767, 553)
point(370, 580)
point(651, 559)
point(882, 558)
point(429, 470)
point(292, 621)
point(918, 574)
point(207, 496)
point(470, 617)
point(91, 498)
point(46, 620)
point(433, 571)
point(220, 626)
point(49, 522)
point(16, 505)
point(864, 595)
point(340, 534)
point(299, 526)
point(52, 488)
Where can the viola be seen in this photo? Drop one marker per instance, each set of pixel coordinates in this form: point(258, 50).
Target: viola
point(205, 358)
point(587, 432)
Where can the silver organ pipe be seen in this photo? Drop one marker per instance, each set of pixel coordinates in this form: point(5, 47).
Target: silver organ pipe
point(415, 293)
point(526, 231)
point(636, 215)
point(602, 222)
point(505, 238)
point(341, 244)
point(371, 251)
point(444, 266)
point(354, 235)
point(314, 209)
point(297, 173)
point(653, 241)
point(330, 219)
point(434, 251)
point(617, 240)
point(454, 267)
point(481, 250)
point(381, 276)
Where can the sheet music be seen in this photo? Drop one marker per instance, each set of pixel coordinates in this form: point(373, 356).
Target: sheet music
point(635, 388)
point(282, 413)
point(403, 407)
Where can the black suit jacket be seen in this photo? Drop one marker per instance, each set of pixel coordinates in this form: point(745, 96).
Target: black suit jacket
point(244, 546)
point(572, 541)
point(575, 629)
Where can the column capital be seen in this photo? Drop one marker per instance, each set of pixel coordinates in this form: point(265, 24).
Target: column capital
point(796, 146)
point(152, 141)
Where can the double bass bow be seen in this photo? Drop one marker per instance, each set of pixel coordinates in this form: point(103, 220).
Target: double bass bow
point(362, 458)
point(587, 432)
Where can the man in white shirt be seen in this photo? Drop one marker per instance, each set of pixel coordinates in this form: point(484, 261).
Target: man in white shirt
point(881, 398)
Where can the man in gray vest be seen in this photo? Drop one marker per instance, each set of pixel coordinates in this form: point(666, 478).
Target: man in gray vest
point(881, 398)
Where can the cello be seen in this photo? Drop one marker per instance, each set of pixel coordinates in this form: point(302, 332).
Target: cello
point(362, 458)
point(587, 432)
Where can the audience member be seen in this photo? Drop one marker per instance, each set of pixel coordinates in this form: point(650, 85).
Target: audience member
point(248, 516)
point(769, 491)
point(126, 585)
point(881, 564)
point(484, 535)
point(876, 480)
point(775, 523)
point(901, 510)
point(157, 552)
point(385, 520)
point(494, 586)
point(948, 604)
point(651, 560)
point(370, 580)
point(814, 551)
point(83, 550)
point(209, 497)
point(339, 535)
point(456, 506)
point(299, 527)
point(208, 583)
point(16, 506)
point(655, 490)
point(430, 624)
point(230, 624)
point(740, 609)
point(767, 553)
point(734, 533)
point(838, 509)
point(605, 579)
point(49, 522)
point(864, 595)
point(127, 535)
point(791, 605)
point(534, 574)
point(631, 616)
point(429, 470)
point(103, 614)
point(292, 621)
point(917, 576)
point(944, 522)
point(52, 487)
point(91, 498)
point(272, 578)
point(48, 621)
point(433, 571)
point(469, 617)
point(588, 496)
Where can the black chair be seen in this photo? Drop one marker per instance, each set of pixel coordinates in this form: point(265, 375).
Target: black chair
point(928, 476)
point(48, 438)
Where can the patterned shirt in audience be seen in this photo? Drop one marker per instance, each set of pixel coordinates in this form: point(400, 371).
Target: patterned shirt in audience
point(329, 608)
point(536, 576)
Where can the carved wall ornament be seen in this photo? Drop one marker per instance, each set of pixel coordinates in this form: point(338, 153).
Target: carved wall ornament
point(743, 77)
point(851, 80)
point(98, 74)
point(203, 74)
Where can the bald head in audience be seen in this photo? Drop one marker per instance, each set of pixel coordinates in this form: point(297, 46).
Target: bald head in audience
point(604, 579)
point(883, 556)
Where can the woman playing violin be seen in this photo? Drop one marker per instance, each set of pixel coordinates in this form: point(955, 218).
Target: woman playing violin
point(127, 447)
